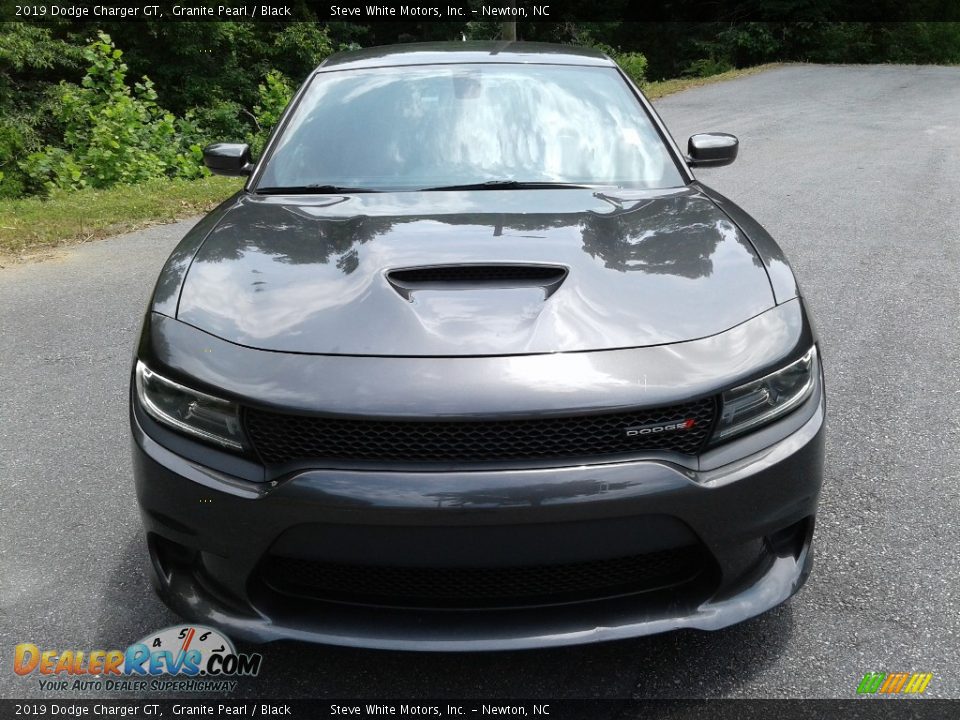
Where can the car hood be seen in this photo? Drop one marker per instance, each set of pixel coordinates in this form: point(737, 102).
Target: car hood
point(314, 274)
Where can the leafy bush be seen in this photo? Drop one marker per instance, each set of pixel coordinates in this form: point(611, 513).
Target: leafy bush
point(112, 134)
point(634, 64)
point(13, 144)
point(228, 121)
point(28, 55)
point(743, 44)
point(925, 42)
point(275, 93)
point(225, 121)
point(301, 47)
point(706, 67)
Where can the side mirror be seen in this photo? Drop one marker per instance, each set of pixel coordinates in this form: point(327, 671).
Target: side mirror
point(712, 149)
point(228, 159)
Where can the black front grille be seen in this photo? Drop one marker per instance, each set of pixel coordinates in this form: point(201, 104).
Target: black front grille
point(465, 587)
point(290, 438)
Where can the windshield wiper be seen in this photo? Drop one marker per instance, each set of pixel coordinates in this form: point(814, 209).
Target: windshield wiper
point(509, 185)
point(312, 190)
point(488, 185)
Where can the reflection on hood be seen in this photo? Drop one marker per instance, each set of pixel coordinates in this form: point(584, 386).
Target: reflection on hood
point(301, 275)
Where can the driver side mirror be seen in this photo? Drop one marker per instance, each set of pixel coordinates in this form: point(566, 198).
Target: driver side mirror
point(232, 159)
point(712, 149)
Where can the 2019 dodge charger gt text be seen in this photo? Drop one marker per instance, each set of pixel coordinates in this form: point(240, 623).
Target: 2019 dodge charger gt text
point(474, 362)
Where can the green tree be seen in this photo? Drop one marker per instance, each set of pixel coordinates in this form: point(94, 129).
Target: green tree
point(112, 133)
point(29, 56)
point(275, 93)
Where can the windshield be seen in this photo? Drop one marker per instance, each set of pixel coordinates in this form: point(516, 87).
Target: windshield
point(409, 128)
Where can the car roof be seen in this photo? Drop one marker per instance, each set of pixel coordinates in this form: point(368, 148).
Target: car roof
point(446, 53)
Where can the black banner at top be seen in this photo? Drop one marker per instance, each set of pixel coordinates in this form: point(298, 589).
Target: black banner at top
point(463, 11)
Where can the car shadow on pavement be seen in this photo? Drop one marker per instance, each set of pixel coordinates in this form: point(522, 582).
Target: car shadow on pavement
point(682, 664)
point(131, 608)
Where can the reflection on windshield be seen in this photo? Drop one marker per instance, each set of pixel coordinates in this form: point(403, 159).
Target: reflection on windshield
point(416, 127)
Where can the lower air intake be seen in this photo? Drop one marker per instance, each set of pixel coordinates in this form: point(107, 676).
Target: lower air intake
point(466, 587)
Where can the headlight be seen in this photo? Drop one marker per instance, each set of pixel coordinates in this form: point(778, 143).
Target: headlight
point(189, 411)
point(768, 398)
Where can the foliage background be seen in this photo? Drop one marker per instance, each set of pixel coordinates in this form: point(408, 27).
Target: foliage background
point(90, 106)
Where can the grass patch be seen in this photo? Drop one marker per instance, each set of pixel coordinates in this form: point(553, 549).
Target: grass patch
point(33, 223)
point(661, 88)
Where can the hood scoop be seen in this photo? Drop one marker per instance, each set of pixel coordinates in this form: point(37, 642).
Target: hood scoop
point(406, 281)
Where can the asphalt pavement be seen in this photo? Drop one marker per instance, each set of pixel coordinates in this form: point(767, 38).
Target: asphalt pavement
point(855, 170)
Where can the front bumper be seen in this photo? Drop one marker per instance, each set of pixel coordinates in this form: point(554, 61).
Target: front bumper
point(752, 513)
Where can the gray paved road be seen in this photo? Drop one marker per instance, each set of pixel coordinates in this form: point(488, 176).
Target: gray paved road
point(855, 170)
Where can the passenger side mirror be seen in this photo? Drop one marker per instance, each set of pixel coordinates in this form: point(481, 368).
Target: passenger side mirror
point(712, 149)
point(231, 159)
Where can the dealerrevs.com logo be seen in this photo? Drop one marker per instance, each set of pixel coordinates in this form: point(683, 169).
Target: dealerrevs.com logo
point(183, 658)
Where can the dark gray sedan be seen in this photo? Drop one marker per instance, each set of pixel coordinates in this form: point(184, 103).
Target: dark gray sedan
point(474, 362)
